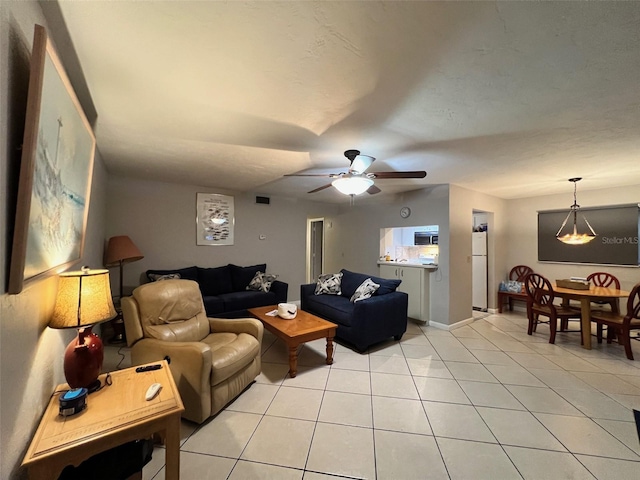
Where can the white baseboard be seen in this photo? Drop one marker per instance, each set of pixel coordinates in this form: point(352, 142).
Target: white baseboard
point(443, 326)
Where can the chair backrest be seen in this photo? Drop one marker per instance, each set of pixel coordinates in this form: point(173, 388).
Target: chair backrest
point(539, 290)
point(519, 273)
point(604, 279)
point(633, 304)
point(171, 310)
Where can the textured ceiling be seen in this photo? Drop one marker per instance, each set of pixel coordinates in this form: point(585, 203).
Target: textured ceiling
point(510, 99)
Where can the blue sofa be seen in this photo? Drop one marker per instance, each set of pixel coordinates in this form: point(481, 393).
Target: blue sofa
point(365, 322)
point(224, 290)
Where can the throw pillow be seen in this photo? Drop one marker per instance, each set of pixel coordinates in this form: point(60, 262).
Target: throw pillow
point(155, 277)
point(329, 284)
point(261, 282)
point(365, 290)
point(241, 276)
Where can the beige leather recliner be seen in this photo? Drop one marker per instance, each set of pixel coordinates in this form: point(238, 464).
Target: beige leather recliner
point(212, 360)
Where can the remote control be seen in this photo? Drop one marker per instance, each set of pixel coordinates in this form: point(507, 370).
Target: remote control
point(153, 391)
point(148, 368)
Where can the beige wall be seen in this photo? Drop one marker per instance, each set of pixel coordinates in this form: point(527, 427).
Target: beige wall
point(522, 233)
point(160, 219)
point(30, 353)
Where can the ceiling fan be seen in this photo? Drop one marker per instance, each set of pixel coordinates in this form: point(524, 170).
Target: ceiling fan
point(357, 180)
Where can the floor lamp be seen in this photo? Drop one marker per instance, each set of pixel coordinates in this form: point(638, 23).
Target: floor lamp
point(83, 300)
point(120, 250)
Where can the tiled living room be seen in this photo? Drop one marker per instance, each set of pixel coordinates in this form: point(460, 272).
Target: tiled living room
point(482, 401)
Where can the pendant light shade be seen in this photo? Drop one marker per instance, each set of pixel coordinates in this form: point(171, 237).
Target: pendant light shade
point(572, 237)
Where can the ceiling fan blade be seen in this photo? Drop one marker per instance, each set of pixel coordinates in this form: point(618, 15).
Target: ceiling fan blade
point(360, 163)
point(408, 174)
point(326, 175)
point(320, 188)
point(372, 190)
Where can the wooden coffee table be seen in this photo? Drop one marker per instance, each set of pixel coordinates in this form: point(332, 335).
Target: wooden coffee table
point(304, 328)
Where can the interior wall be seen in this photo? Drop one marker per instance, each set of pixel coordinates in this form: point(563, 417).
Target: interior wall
point(462, 204)
point(30, 353)
point(160, 218)
point(353, 237)
point(522, 233)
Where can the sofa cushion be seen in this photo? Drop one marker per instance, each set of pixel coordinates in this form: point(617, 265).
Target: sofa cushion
point(247, 299)
point(351, 281)
point(155, 277)
point(336, 308)
point(261, 282)
point(214, 281)
point(242, 276)
point(189, 273)
point(213, 305)
point(365, 290)
point(329, 283)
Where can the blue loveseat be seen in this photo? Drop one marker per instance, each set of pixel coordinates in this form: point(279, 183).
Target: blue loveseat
point(224, 289)
point(364, 322)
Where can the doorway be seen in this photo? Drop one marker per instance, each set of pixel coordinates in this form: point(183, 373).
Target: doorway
point(315, 248)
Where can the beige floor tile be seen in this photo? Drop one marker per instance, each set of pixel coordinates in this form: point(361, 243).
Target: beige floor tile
point(256, 399)
point(483, 394)
point(259, 471)
point(440, 390)
point(424, 352)
point(400, 415)
point(273, 373)
point(595, 405)
point(543, 400)
point(390, 385)
point(342, 450)
point(395, 365)
point(608, 383)
point(349, 381)
point(609, 468)
point(535, 464)
point(352, 361)
point(299, 403)
point(514, 375)
point(428, 368)
point(407, 456)
point(470, 371)
point(583, 435)
point(560, 379)
point(518, 428)
point(626, 432)
point(456, 354)
point(457, 421)
point(477, 344)
point(225, 435)
point(280, 441)
point(308, 377)
point(491, 357)
point(346, 409)
point(489, 460)
point(533, 360)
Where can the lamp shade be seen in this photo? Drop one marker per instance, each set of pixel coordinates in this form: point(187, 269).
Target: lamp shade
point(84, 298)
point(121, 249)
point(352, 185)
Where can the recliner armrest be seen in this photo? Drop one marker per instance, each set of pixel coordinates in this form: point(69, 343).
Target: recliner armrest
point(380, 308)
point(239, 325)
point(306, 290)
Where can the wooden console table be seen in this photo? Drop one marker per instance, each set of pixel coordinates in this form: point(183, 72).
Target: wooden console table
point(116, 414)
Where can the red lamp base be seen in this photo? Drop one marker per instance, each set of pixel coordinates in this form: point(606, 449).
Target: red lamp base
point(83, 360)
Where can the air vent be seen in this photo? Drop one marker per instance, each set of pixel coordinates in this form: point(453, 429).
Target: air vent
point(263, 200)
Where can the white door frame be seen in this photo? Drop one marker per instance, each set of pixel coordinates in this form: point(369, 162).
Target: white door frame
point(310, 222)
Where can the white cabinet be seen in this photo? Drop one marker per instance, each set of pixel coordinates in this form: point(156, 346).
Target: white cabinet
point(415, 283)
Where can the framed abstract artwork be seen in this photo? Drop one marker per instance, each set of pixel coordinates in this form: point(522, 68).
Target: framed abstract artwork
point(214, 219)
point(55, 173)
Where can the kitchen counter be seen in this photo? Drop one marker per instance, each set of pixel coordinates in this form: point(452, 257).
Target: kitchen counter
point(408, 265)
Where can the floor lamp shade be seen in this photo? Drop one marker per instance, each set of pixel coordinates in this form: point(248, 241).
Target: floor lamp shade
point(83, 300)
point(121, 249)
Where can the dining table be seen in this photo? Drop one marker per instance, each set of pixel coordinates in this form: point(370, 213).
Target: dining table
point(594, 294)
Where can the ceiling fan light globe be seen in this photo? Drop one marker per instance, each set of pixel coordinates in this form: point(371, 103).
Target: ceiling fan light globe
point(352, 185)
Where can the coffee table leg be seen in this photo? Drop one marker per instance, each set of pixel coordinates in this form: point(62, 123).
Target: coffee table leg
point(329, 350)
point(293, 360)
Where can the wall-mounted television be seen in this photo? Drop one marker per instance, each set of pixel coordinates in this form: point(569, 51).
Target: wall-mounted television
point(617, 228)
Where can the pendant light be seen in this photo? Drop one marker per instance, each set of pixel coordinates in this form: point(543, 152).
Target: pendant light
point(575, 238)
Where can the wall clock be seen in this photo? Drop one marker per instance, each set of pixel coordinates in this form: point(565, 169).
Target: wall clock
point(405, 212)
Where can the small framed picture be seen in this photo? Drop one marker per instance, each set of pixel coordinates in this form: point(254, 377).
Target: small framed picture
point(214, 219)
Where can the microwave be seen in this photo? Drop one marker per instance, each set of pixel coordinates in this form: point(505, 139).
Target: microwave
point(425, 238)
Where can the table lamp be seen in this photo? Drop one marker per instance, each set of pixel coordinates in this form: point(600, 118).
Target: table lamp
point(120, 250)
point(83, 300)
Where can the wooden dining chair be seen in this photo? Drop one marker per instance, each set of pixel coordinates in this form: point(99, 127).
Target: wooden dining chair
point(518, 274)
point(605, 279)
point(621, 325)
point(540, 297)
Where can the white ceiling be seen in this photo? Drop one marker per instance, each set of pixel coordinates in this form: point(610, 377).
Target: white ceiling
point(510, 99)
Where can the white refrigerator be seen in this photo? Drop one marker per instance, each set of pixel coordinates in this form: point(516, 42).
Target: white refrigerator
point(479, 270)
